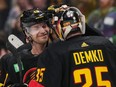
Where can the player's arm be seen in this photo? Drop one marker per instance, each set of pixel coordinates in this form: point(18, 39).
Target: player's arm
point(4, 78)
point(3, 72)
point(111, 50)
point(49, 70)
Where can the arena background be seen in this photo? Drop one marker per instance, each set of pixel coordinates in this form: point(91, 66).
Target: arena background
point(95, 11)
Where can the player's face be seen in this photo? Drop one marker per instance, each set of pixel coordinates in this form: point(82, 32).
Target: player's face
point(39, 33)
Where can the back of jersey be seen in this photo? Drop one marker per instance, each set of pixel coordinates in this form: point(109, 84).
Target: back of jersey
point(89, 62)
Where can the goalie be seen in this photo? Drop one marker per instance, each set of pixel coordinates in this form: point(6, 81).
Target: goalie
point(78, 60)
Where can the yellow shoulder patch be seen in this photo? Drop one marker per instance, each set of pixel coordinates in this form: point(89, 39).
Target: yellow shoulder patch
point(84, 44)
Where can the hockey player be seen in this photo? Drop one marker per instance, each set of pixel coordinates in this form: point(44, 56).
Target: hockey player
point(37, 33)
point(76, 60)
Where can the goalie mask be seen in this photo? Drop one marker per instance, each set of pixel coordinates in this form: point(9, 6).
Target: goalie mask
point(66, 20)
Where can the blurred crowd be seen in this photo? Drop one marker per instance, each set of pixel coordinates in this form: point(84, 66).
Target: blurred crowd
point(100, 14)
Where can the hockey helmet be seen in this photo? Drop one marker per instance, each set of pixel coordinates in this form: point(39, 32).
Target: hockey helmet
point(31, 17)
point(67, 19)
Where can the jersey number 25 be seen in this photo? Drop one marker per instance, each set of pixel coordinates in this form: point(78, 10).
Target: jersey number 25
point(88, 77)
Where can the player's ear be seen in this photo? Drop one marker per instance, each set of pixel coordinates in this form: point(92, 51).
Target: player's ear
point(26, 33)
point(28, 37)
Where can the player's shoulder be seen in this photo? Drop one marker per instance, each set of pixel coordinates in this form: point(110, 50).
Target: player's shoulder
point(7, 57)
point(6, 60)
point(56, 45)
point(76, 41)
point(26, 53)
point(11, 57)
point(98, 40)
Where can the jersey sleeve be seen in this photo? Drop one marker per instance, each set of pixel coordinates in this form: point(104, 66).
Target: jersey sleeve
point(111, 52)
point(4, 65)
point(49, 69)
point(3, 71)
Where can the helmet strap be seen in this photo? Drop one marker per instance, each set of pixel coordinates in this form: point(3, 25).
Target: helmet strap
point(28, 35)
point(69, 28)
